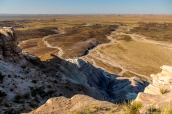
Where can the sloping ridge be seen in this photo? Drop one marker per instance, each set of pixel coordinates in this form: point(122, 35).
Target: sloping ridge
point(35, 82)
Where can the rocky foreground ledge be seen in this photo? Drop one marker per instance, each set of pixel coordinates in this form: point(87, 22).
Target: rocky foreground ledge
point(152, 97)
point(8, 44)
point(9, 49)
point(159, 93)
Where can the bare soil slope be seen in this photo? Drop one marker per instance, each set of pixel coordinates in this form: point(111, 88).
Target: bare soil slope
point(78, 104)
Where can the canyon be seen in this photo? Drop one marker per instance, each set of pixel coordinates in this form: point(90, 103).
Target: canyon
point(69, 72)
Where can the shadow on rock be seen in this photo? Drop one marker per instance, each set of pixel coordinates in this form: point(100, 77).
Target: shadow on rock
point(111, 87)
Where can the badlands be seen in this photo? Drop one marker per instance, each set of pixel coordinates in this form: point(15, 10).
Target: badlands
point(92, 65)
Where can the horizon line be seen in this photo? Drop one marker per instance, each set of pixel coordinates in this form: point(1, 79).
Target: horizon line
point(82, 14)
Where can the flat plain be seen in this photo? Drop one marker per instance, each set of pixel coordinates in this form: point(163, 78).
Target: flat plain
point(125, 45)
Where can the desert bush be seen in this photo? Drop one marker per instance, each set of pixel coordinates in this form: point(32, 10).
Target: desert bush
point(17, 98)
point(167, 109)
point(9, 76)
point(163, 90)
point(12, 111)
point(38, 91)
point(1, 98)
point(132, 107)
point(2, 95)
point(11, 89)
point(6, 104)
point(33, 105)
point(23, 67)
point(87, 110)
point(49, 86)
point(1, 77)
point(153, 110)
point(34, 81)
point(26, 95)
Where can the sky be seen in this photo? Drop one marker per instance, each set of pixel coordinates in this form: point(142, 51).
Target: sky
point(85, 6)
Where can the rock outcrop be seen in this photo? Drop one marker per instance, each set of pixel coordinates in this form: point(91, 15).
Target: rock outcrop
point(112, 87)
point(159, 92)
point(96, 83)
point(9, 49)
point(8, 42)
point(78, 104)
point(33, 85)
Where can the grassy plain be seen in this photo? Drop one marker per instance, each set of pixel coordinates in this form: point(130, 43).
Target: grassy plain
point(83, 32)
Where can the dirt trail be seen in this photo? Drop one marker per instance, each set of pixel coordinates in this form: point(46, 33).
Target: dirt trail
point(39, 46)
point(60, 53)
point(94, 53)
point(110, 61)
point(143, 39)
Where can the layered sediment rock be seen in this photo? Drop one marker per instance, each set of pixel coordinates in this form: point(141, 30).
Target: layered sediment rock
point(160, 80)
point(58, 77)
point(9, 49)
point(158, 93)
point(112, 87)
point(8, 42)
point(97, 83)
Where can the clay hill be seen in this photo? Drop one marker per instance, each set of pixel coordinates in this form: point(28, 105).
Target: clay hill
point(68, 86)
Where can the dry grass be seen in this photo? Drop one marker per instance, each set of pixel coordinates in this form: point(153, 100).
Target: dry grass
point(80, 38)
point(94, 18)
point(132, 107)
point(163, 90)
point(116, 109)
point(143, 58)
point(155, 31)
point(34, 33)
point(139, 57)
point(167, 109)
point(107, 67)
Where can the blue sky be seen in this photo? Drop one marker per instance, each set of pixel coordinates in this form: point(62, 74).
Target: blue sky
point(85, 6)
